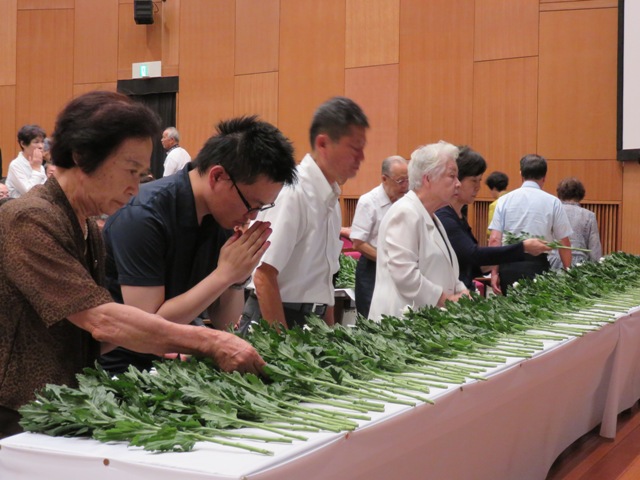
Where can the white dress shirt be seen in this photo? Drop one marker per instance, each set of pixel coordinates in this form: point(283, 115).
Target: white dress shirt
point(177, 158)
point(371, 208)
point(530, 209)
point(305, 243)
point(21, 177)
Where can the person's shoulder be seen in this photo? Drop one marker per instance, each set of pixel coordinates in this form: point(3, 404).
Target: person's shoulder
point(446, 212)
point(588, 213)
point(28, 209)
point(370, 196)
point(162, 190)
point(407, 204)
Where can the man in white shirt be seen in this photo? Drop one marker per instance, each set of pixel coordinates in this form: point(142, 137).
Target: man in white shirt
point(371, 208)
point(532, 210)
point(26, 170)
point(295, 278)
point(177, 157)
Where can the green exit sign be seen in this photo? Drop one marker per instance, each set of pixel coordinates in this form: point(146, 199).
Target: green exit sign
point(146, 69)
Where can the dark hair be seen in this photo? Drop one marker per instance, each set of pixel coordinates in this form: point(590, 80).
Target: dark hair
point(248, 148)
point(92, 126)
point(533, 167)
point(470, 163)
point(29, 132)
point(571, 189)
point(497, 180)
point(335, 117)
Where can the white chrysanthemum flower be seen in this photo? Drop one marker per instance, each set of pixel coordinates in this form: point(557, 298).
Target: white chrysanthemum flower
point(306, 328)
point(535, 280)
point(602, 259)
point(515, 285)
point(579, 264)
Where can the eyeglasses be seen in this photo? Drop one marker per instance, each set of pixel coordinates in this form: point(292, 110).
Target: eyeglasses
point(250, 209)
point(399, 181)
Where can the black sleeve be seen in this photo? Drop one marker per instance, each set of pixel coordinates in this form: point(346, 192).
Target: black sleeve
point(467, 249)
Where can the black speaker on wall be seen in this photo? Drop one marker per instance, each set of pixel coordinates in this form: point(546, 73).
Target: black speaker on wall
point(143, 12)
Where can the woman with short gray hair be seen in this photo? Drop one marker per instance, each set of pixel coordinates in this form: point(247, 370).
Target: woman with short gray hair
point(416, 264)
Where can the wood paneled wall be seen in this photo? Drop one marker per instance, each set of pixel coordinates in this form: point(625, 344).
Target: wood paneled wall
point(506, 77)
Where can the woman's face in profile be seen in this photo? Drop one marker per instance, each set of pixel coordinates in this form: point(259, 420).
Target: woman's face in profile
point(469, 188)
point(114, 182)
point(446, 186)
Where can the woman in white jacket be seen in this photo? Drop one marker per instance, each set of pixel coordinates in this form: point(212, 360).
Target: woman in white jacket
point(416, 264)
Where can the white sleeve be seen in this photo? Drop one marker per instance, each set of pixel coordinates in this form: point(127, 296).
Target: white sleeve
point(22, 178)
point(288, 223)
point(561, 225)
point(362, 222)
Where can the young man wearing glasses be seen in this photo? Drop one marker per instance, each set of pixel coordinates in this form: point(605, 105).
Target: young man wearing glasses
point(371, 208)
point(295, 276)
point(172, 250)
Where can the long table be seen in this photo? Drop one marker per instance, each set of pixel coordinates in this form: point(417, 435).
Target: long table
point(513, 425)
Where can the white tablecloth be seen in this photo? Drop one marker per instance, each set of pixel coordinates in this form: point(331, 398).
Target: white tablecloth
point(512, 426)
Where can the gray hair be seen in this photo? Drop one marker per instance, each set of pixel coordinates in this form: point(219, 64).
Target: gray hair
point(389, 162)
point(172, 132)
point(430, 160)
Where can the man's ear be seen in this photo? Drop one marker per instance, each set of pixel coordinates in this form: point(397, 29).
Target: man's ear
point(321, 142)
point(216, 173)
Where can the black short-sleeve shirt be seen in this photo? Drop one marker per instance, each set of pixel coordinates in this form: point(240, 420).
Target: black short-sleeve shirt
point(155, 240)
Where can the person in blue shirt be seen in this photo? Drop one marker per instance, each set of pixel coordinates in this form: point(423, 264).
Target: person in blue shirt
point(472, 257)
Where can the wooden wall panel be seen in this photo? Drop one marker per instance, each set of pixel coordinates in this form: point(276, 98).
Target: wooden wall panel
point(365, 86)
point(95, 60)
point(44, 4)
point(631, 199)
point(311, 63)
point(549, 5)
point(137, 43)
point(43, 87)
point(372, 32)
point(505, 29)
point(257, 95)
point(602, 179)
point(8, 39)
point(80, 88)
point(257, 34)
point(206, 69)
point(577, 91)
point(170, 37)
point(436, 72)
point(505, 114)
point(8, 141)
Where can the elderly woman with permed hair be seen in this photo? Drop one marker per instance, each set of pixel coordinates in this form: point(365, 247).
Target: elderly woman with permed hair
point(416, 264)
point(56, 315)
point(585, 234)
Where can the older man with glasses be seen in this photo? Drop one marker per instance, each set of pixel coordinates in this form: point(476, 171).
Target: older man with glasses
point(171, 250)
point(370, 210)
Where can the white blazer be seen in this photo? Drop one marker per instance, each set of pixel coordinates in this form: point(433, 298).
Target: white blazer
point(415, 263)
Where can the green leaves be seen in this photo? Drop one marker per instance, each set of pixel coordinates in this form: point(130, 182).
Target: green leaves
point(509, 238)
point(346, 277)
point(344, 372)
